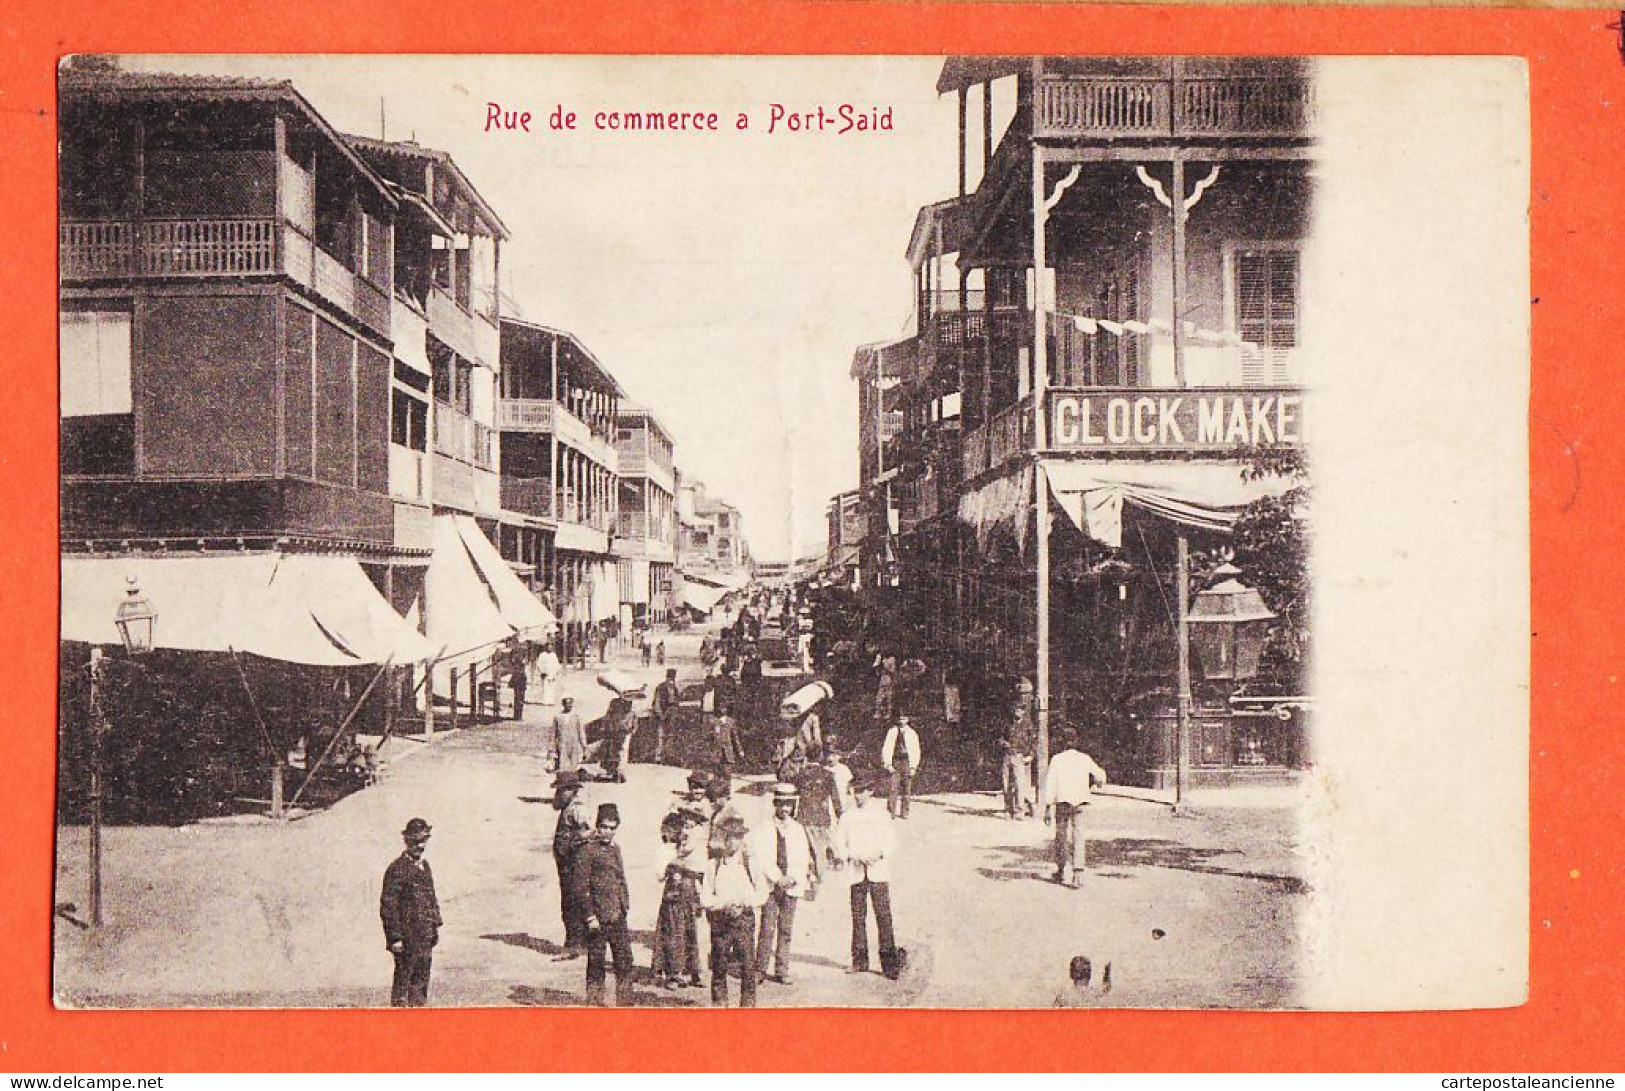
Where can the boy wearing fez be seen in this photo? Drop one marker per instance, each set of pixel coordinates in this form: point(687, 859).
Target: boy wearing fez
point(411, 916)
point(600, 881)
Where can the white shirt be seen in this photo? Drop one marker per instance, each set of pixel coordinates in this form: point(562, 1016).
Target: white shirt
point(864, 838)
point(735, 882)
point(797, 853)
point(911, 746)
point(1071, 773)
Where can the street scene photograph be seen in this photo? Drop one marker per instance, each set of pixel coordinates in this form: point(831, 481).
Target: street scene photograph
point(708, 532)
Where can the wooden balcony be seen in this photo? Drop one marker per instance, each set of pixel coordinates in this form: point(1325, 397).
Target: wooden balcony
point(186, 249)
point(1072, 106)
point(528, 496)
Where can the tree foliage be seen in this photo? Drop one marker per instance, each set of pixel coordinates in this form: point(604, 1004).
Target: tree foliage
point(1271, 547)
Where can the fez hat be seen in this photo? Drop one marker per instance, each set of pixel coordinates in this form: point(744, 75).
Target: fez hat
point(416, 827)
point(608, 810)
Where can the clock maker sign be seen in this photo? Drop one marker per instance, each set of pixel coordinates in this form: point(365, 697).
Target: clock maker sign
point(1175, 420)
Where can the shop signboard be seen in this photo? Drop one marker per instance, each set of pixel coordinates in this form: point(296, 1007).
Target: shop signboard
point(1210, 419)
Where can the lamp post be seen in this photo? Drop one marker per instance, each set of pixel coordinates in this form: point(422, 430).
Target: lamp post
point(135, 619)
point(1226, 623)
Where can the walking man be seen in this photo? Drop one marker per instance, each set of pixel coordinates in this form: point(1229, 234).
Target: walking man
point(411, 916)
point(569, 837)
point(791, 877)
point(730, 894)
point(601, 888)
point(866, 842)
point(666, 699)
point(569, 738)
point(1072, 774)
point(901, 754)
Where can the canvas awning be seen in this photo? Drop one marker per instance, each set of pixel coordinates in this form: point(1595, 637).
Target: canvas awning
point(515, 602)
point(314, 609)
point(1004, 501)
point(702, 596)
point(1200, 495)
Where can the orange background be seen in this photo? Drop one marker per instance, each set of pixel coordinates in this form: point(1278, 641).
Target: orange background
point(1575, 1018)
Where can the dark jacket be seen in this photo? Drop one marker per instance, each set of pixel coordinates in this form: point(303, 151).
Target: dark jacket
point(571, 832)
point(408, 906)
point(599, 879)
point(666, 697)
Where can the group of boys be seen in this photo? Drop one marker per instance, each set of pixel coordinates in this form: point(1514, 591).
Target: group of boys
point(747, 884)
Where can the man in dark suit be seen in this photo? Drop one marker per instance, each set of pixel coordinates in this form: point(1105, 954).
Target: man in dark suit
point(411, 916)
point(600, 879)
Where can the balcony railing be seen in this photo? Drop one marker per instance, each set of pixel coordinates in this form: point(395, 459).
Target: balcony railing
point(459, 436)
point(407, 472)
point(167, 248)
point(1226, 107)
point(453, 325)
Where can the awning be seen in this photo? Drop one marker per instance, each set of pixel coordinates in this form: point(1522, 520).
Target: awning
point(1006, 501)
point(701, 596)
point(462, 614)
point(606, 591)
point(517, 605)
point(314, 609)
point(1203, 495)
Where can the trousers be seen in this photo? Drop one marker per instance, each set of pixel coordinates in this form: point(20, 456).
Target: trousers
point(733, 945)
point(575, 916)
point(1069, 841)
point(865, 893)
point(1018, 783)
point(410, 989)
point(902, 778)
point(774, 939)
point(611, 935)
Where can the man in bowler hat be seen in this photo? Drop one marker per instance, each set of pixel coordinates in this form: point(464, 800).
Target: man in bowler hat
point(411, 916)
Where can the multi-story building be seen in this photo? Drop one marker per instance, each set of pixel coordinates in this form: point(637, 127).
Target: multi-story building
point(711, 543)
point(558, 413)
point(443, 452)
point(646, 528)
point(847, 530)
point(1109, 322)
point(882, 372)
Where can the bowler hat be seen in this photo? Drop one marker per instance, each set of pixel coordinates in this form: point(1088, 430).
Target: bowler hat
point(416, 827)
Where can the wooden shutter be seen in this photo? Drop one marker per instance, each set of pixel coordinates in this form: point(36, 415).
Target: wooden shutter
point(1266, 285)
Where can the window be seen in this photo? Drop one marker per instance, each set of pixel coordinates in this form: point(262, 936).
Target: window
point(408, 421)
point(1265, 302)
point(95, 362)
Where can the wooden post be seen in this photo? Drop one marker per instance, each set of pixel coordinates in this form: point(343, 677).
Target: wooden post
point(428, 699)
point(963, 91)
point(1182, 572)
point(1041, 695)
point(97, 723)
point(276, 789)
point(453, 698)
point(1179, 270)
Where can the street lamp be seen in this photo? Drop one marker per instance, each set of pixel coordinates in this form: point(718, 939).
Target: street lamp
point(134, 618)
point(1227, 623)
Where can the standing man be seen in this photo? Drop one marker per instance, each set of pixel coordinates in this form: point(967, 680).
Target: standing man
point(667, 698)
point(1072, 774)
point(569, 738)
point(820, 807)
point(569, 837)
point(619, 724)
point(411, 916)
point(866, 842)
point(903, 761)
point(1019, 744)
point(730, 894)
point(791, 876)
point(728, 747)
point(601, 889)
point(548, 669)
point(886, 691)
point(519, 678)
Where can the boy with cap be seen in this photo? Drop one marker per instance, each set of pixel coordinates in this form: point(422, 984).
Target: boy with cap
point(788, 846)
point(730, 894)
point(865, 840)
point(411, 916)
point(569, 835)
point(600, 883)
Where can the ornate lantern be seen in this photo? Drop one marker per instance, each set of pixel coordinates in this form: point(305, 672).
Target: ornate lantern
point(135, 619)
point(1227, 625)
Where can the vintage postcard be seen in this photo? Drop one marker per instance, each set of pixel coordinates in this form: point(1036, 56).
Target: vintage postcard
point(894, 531)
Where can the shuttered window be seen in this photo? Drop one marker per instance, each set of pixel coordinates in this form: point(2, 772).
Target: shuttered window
point(1266, 287)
